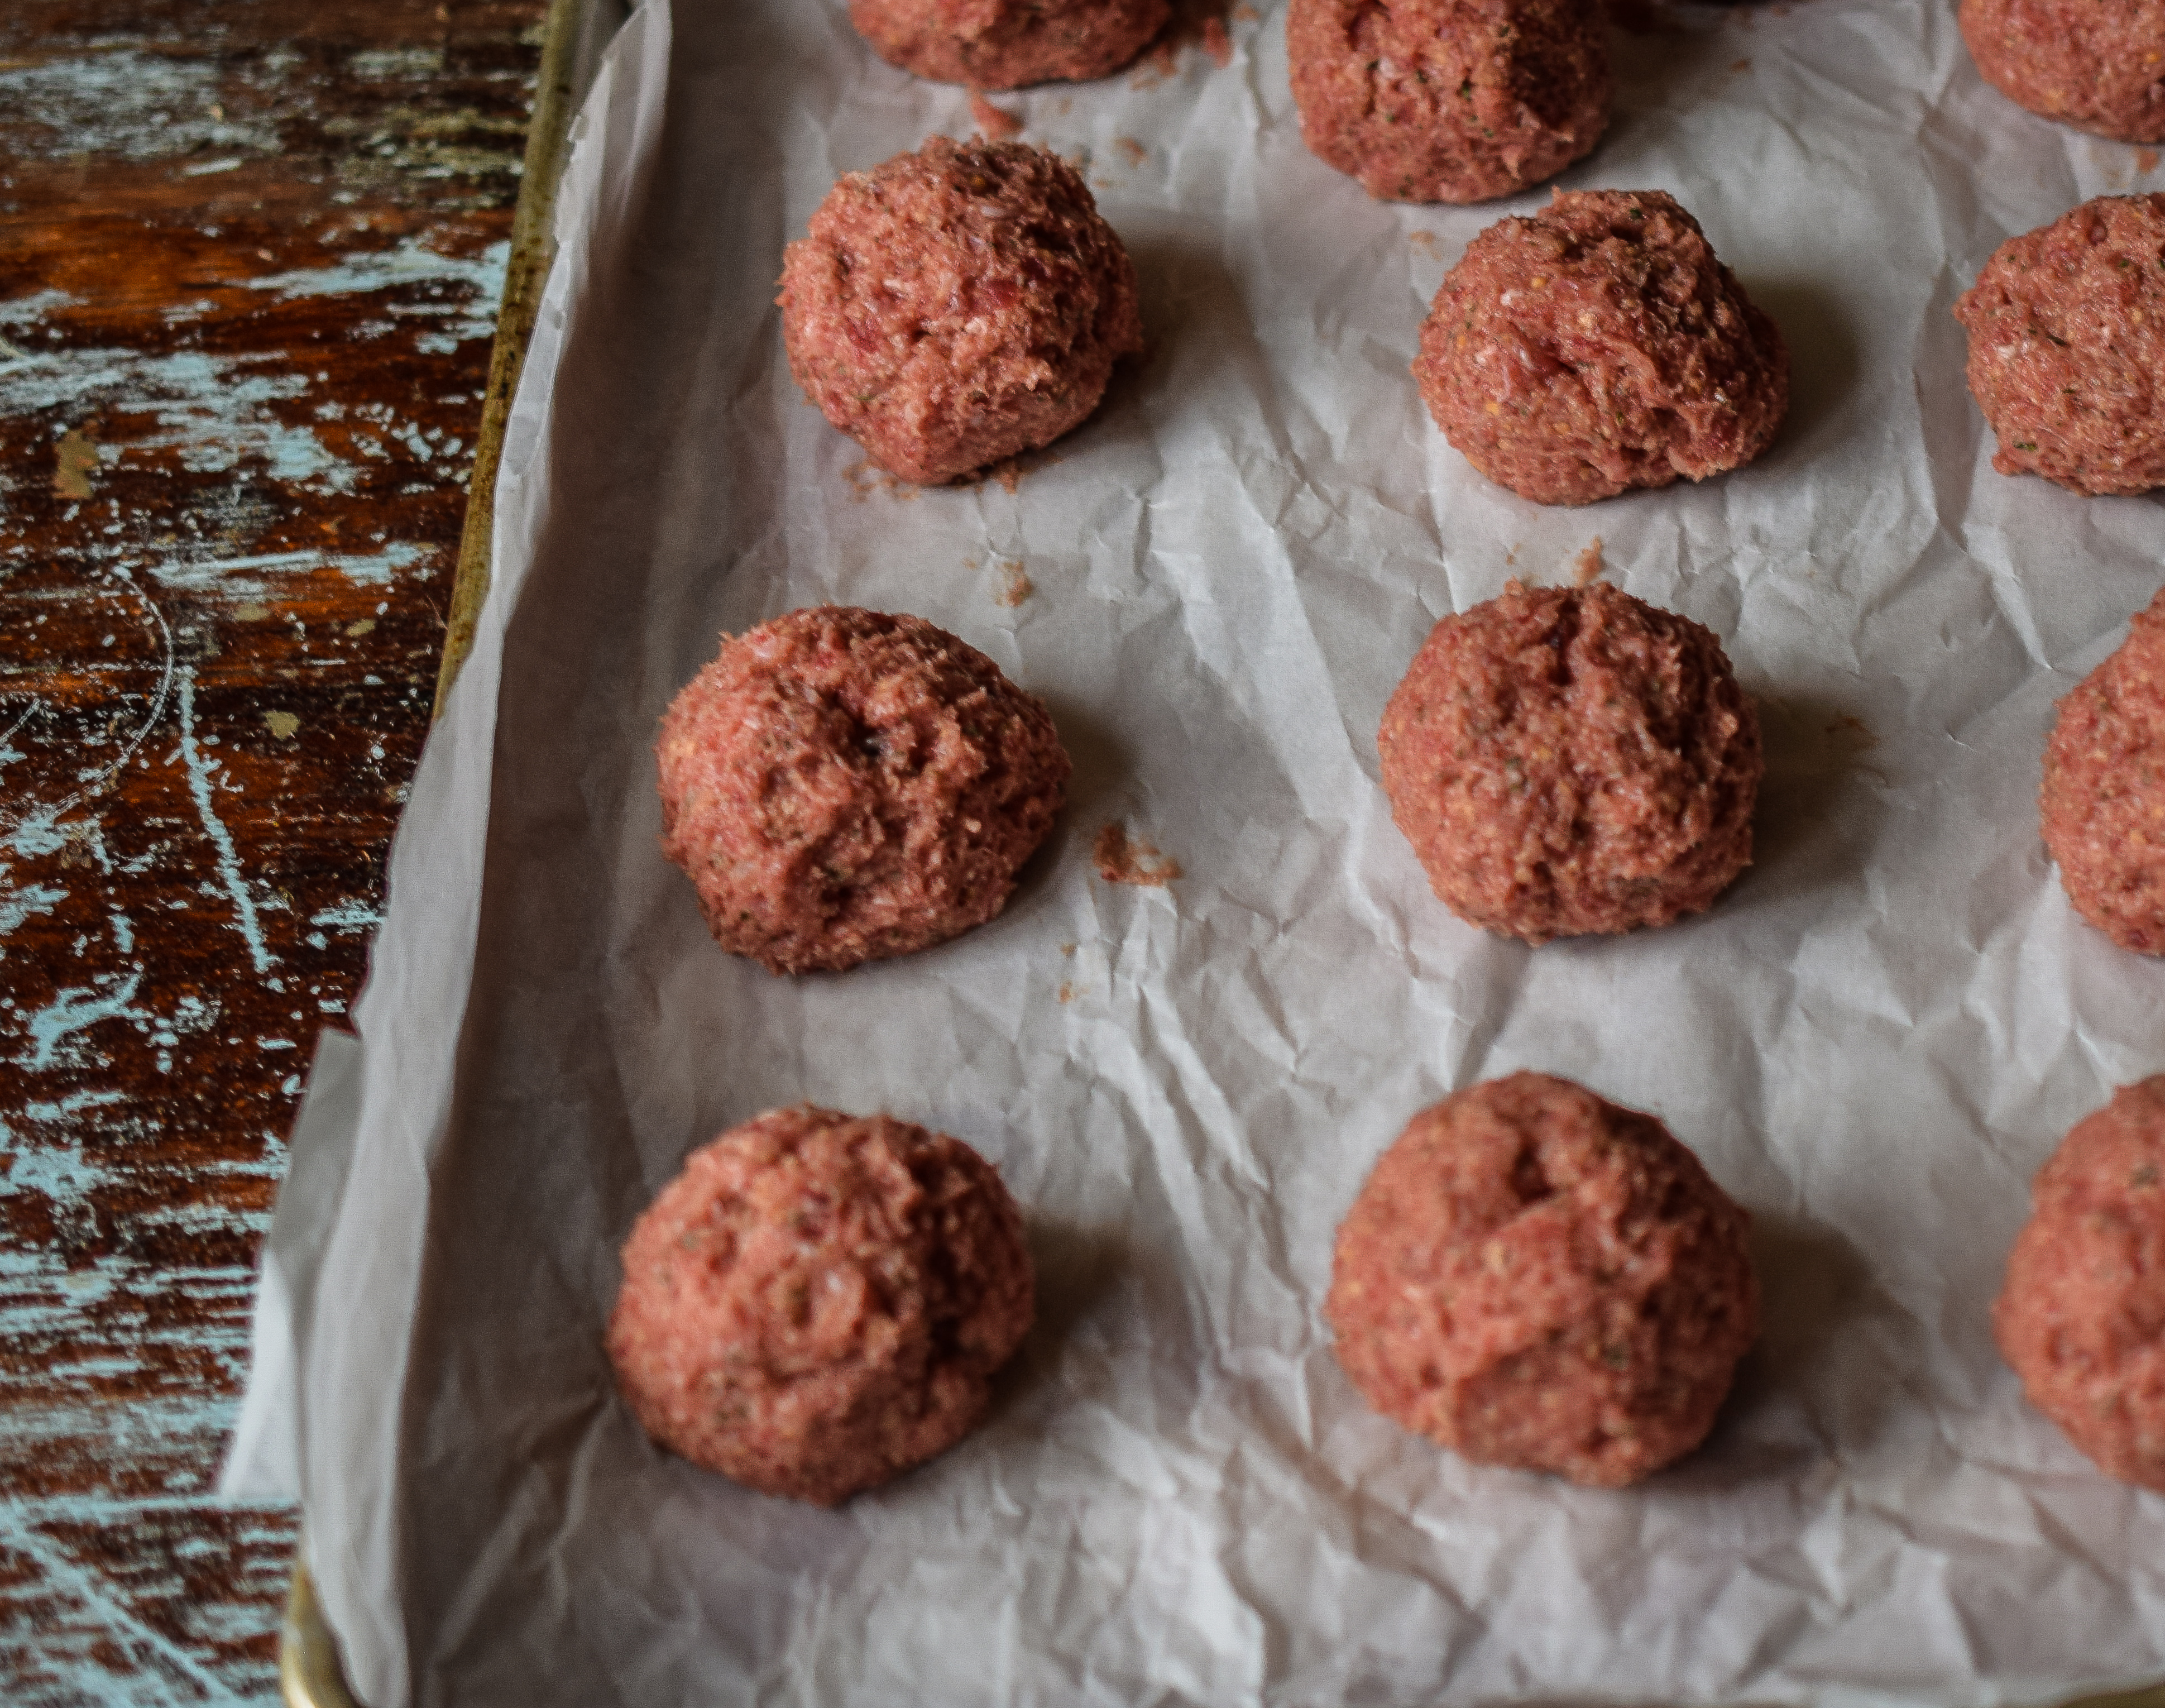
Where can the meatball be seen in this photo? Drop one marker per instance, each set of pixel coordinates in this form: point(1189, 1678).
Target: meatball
point(843, 785)
point(1596, 346)
point(2081, 1317)
point(2065, 355)
point(958, 305)
point(1449, 100)
point(818, 1301)
point(2093, 64)
point(1568, 760)
point(1533, 1277)
point(1006, 44)
point(2103, 802)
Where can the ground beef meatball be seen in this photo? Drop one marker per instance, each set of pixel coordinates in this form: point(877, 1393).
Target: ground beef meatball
point(1598, 346)
point(2082, 1315)
point(820, 1300)
point(1449, 100)
point(2103, 802)
point(1007, 43)
point(843, 785)
point(2067, 354)
point(1568, 760)
point(2093, 64)
point(958, 305)
point(1535, 1278)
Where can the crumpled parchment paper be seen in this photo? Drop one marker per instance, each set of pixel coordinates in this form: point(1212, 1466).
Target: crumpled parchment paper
point(1872, 1041)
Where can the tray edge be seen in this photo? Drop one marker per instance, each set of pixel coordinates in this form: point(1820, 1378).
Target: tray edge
point(309, 1672)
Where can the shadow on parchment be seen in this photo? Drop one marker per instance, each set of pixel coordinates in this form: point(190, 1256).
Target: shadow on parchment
point(1076, 1268)
point(1816, 750)
point(1097, 789)
point(1823, 358)
point(1815, 1293)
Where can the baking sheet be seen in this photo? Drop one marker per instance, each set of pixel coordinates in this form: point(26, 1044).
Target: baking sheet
point(1872, 1041)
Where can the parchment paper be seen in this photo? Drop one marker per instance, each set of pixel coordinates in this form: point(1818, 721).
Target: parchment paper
point(1873, 1040)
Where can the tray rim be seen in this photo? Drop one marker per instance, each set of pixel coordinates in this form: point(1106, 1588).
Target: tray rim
point(309, 1672)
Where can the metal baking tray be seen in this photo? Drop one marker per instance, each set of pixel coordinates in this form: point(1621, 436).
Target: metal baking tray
point(576, 32)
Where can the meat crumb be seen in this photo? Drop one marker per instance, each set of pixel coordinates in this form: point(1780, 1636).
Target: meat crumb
point(997, 123)
point(1199, 22)
point(865, 478)
point(1015, 585)
point(1587, 566)
point(1854, 732)
point(2146, 160)
point(1129, 149)
point(1121, 859)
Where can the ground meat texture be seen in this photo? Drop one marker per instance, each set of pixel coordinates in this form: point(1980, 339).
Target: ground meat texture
point(958, 305)
point(2067, 354)
point(818, 1301)
point(1598, 346)
point(1449, 100)
point(1007, 43)
point(1572, 760)
point(2103, 802)
point(2093, 64)
point(2081, 1317)
point(842, 785)
point(1535, 1278)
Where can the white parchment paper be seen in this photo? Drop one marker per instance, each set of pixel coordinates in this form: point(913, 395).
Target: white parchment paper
point(1872, 1041)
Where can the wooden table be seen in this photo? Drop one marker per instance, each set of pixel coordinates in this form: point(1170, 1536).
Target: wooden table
point(250, 254)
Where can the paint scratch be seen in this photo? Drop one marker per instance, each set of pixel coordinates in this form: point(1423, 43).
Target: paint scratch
point(125, 104)
point(31, 826)
point(72, 1009)
point(228, 858)
point(410, 263)
point(67, 1575)
point(348, 916)
point(234, 577)
point(19, 905)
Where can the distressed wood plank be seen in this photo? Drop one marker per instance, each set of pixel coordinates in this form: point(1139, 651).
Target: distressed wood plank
point(249, 259)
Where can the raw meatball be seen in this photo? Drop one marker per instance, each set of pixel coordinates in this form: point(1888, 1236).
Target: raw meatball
point(2066, 356)
point(2094, 64)
point(1005, 44)
point(818, 1301)
point(1449, 100)
point(843, 785)
point(1598, 346)
point(2103, 797)
point(2082, 1315)
point(1568, 760)
point(1535, 1278)
point(958, 305)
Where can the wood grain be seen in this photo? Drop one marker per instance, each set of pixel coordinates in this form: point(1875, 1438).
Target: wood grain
point(249, 256)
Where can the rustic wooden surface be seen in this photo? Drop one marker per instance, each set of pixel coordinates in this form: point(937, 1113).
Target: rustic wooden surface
point(249, 254)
